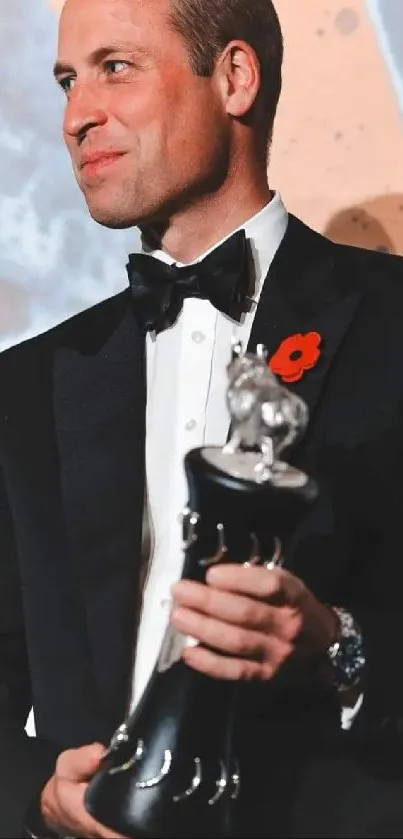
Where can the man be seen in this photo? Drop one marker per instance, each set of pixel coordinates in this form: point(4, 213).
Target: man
point(169, 112)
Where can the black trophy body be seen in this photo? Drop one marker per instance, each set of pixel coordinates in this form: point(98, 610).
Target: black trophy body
point(172, 769)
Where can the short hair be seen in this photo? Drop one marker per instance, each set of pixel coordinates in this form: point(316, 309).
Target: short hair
point(207, 26)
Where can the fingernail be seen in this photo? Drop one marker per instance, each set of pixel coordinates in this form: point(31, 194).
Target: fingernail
point(191, 642)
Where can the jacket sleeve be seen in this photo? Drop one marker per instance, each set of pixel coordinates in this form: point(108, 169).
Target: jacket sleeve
point(25, 762)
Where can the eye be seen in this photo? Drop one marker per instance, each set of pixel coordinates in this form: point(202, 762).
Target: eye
point(67, 84)
point(114, 67)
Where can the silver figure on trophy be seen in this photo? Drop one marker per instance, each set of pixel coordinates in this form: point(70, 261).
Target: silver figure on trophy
point(266, 418)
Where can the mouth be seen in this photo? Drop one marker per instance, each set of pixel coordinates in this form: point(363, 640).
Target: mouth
point(93, 163)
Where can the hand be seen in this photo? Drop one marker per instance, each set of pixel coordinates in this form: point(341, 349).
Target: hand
point(250, 621)
point(62, 800)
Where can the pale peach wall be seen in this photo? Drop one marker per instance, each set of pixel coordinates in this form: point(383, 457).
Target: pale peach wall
point(338, 149)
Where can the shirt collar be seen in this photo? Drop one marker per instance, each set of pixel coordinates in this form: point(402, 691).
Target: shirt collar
point(264, 231)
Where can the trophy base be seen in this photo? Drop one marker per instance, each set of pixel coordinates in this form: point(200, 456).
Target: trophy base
point(248, 466)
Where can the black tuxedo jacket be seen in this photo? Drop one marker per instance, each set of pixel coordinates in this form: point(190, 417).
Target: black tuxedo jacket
point(72, 426)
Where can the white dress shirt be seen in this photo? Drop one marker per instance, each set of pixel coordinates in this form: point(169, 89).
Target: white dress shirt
point(186, 408)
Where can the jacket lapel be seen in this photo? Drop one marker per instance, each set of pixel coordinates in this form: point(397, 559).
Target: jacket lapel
point(306, 290)
point(99, 407)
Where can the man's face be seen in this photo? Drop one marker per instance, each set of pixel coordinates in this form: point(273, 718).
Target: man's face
point(146, 135)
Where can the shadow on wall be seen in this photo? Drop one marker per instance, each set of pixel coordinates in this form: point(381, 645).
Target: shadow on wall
point(376, 224)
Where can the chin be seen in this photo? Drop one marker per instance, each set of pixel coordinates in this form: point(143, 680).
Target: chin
point(117, 216)
point(115, 221)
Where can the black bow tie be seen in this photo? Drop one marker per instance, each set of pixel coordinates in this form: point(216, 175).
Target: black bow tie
point(159, 289)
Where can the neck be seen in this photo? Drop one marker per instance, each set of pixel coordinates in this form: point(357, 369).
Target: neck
point(191, 231)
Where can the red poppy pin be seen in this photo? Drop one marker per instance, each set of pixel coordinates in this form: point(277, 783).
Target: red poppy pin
point(295, 355)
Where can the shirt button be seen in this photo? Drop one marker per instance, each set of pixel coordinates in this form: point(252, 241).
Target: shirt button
point(198, 337)
point(191, 425)
point(166, 603)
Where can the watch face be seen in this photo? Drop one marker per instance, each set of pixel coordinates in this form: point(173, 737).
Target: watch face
point(348, 660)
point(351, 659)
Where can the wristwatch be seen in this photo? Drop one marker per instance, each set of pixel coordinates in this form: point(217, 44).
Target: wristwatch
point(346, 655)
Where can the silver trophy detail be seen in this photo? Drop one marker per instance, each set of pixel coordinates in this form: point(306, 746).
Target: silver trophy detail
point(266, 418)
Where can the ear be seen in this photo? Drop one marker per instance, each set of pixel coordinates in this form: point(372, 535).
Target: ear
point(238, 76)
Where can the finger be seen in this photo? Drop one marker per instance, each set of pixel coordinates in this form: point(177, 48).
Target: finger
point(256, 582)
point(73, 815)
point(237, 669)
point(214, 633)
point(63, 808)
point(233, 608)
point(50, 807)
point(227, 638)
point(241, 611)
point(80, 764)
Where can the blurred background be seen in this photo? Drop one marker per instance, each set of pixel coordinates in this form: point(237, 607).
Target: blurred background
point(337, 156)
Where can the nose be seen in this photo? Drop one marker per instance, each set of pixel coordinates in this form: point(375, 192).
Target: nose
point(83, 112)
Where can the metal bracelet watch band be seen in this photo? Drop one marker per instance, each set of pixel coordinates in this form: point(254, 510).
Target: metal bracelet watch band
point(346, 655)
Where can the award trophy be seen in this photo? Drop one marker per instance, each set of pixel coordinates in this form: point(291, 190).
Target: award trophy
point(172, 768)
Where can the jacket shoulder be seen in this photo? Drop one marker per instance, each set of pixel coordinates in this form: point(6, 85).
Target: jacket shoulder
point(371, 265)
point(376, 272)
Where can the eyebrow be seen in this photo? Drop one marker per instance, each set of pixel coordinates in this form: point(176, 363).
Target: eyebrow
point(99, 55)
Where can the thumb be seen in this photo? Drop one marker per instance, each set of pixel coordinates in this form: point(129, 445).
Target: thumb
point(80, 764)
